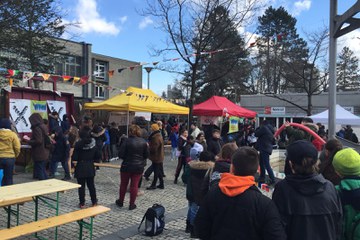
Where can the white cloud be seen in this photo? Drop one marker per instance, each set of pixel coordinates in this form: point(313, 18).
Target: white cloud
point(90, 20)
point(301, 5)
point(145, 22)
point(123, 19)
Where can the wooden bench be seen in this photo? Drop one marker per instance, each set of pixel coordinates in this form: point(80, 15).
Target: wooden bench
point(56, 221)
point(107, 165)
point(16, 212)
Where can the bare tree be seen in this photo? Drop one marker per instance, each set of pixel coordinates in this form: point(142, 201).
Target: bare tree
point(187, 20)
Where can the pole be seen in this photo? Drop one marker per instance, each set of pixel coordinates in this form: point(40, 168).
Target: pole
point(148, 83)
point(128, 122)
point(332, 70)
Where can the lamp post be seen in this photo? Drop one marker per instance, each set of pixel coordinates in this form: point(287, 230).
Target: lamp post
point(148, 70)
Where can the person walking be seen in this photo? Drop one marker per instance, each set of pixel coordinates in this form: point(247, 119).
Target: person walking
point(156, 155)
point(308, 203)
point(85, 154)
point(60, 153)
point(134, 152)
point(40, 148)
point(265, 135)
point(236, 209)
point(9, 151)
point(181, 148)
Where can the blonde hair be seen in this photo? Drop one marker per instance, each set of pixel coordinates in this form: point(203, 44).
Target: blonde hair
point(134, 130)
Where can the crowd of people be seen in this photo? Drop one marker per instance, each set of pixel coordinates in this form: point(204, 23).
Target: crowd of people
point(318, 199)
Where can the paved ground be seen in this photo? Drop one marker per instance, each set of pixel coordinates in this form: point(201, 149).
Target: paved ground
point(119, 223)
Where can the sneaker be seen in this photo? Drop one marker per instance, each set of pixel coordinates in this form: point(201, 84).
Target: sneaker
point(160, 186)
point(57, 174)
point(82, 206)
point(132, 207)
point(175, 181)
point(118, 203)
point(66, 178)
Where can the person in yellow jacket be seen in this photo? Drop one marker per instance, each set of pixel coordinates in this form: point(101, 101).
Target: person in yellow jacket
point(9, 150)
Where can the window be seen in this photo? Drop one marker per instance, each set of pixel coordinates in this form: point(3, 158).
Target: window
point(68, 65)
point(99, 92)
point(100, 70)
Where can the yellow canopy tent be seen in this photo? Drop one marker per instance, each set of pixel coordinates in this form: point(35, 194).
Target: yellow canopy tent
point(138, 100)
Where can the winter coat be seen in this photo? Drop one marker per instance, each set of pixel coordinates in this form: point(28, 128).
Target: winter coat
point(245, 215)
point(203, 143)
point(327, 169)
point(295, 134)
point(107, 135)
point(349, 191)
point(99, 135)
point(309, 207)
point(114, 135)
point(194, 182)
point(53, 123)
point(156, 147)
point(134, 151)
point(181, 146)
point(39, 131)
point(65, 124)
point(61, 147)
point(212, 178)
point(9, 144)
point(174, 139)
point(214, 145)
point(265, 135)
point(85, 153)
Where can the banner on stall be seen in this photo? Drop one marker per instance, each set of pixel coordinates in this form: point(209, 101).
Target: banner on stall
point(121, 118)
point(39, 107)
point(234, 124)
point(58, 106)
point(209, 120)
point(146, 115)
point(20, 111)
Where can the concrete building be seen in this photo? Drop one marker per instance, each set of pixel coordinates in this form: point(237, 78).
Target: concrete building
point(278, 111)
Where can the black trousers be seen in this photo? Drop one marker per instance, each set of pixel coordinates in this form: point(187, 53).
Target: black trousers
point(158, 174)
point(150, 170)
point(91, 186)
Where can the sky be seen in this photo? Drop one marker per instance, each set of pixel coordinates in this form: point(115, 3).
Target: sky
point(116, 28)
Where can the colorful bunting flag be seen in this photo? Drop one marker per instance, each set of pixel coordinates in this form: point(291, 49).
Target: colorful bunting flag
point(121, 69)
point(84, 80)
point(132, 68)
point(66, 78)
point(45, 76)
point(27, 76)
point(76, 79)
point(111, 73)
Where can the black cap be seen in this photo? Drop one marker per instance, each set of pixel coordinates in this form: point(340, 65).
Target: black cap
point(299, 150)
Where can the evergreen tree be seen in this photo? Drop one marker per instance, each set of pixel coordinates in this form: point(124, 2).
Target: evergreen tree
point(348, 71)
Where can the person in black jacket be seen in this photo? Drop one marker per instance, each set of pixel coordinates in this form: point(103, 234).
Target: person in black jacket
point(264, 145)
point(215, 143)
point(114, 139)
point(85, 154)
point(134, 151)
point(307, 202)
point(236, 209)
point(182, 149)
point(60, 153)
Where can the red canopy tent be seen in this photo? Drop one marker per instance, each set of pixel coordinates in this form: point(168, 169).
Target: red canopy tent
point(218, 106)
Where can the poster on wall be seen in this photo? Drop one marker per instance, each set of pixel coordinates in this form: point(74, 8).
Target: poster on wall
point(20, 111)
point(58, 106)
point(39, 107)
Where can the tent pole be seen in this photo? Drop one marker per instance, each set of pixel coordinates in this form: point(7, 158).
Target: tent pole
point(128, 122)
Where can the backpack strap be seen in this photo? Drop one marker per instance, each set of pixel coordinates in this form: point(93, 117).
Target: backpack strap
point(141, 222)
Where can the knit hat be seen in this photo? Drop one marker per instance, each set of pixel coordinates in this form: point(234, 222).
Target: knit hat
point(299, 150)
point(155, 127)
point(347, 162)
point(5, 123)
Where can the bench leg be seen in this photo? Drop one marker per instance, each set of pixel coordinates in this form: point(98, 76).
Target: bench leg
point(89, 226)
point(10, 211)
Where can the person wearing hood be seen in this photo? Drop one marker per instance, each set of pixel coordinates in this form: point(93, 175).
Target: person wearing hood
point(236, 209)
point(215, 143)
point(156, 155)
point(85, 154)
point(264, 145)
point(39, 150)
point(308, 203)
point(65, 124)
point(53, 121)
point(60, 153)
point(9, 151)
point(347, 164)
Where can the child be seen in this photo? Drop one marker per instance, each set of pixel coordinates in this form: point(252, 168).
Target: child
point(85, 153)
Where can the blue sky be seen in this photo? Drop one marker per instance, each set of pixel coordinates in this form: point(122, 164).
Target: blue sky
point(115, 28)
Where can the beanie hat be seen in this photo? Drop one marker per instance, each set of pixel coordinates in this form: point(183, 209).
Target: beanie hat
point(5, 123)
point(299, 150)
point(155, 127)
point(347, 162)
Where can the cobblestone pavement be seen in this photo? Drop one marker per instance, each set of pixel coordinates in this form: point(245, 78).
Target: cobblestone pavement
point(119, 223)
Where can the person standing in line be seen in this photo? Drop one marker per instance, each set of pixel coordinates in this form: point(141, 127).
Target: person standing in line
point(326, 158)
point(106, 147)
point(201, 140)
point(53, 121)
point(85, 154)
point(174, 139)
point(39, 150)
point(65, 124)
point(265, 135)
point(73, 137)
point(308, 203)
point(9, 151)
point(114, 139)
point(181, 148)
point(134, 152)
point(215, 143)
point(60, 153)
point(156, 155)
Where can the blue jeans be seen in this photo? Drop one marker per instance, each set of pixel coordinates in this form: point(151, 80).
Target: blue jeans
point(7, 164)
point(192, 211)
point(39, 169)
point(54, 165)
point(265, 164)
point(173, 153)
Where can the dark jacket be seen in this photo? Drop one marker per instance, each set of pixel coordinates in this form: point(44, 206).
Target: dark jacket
point(39, 131)
point(194, 182)
point(53, 123)
point(114, 135)
point(327, 169)
point(265, 135)
point(85, 153)
point(156, 147)
point(65, 124)
point(214, 145)
point(98, 133)
point(211, 180)
point(249, 215)
point(61, 147)
point(309, 207)
point(181, 146)
point(134, 151)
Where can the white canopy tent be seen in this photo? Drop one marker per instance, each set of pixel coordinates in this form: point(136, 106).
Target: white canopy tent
point(343, 117)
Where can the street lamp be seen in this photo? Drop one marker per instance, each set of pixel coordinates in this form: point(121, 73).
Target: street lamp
point(148, 70)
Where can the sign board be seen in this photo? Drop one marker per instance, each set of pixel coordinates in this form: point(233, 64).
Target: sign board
point(20, 111)
point(278, 110)
point(146, 115)
point(39, 107)
point(58, 106)
point(233, 124)
point(121, 118)
point(350, 109)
